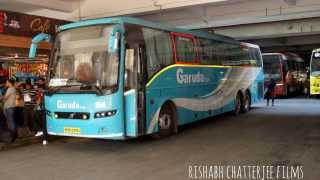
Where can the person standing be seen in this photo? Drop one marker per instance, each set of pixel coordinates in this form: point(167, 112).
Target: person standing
point(9, 105)
point(2, 117)
point(271, 94)
point(41, 110)
point(19, 108)
point(42, 83)
point(306, 87)
point(30, 100)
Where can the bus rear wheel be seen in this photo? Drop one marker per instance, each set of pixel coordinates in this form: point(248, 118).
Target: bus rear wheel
point(246, 104)
point(238, 104)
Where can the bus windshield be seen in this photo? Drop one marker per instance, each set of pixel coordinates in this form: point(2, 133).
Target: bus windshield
point(315, 64)
point(271, 67)
point(81, 59)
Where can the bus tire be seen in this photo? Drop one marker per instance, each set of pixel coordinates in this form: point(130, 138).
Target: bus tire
point(246, 103)
point(166, 121)
point(238, 104)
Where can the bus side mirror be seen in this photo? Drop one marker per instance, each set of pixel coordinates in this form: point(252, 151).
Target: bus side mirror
point(113, 43)
point(114, 39)
point(35, 41)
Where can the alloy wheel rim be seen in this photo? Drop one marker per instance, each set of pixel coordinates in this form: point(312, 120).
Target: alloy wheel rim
point(165, 121)
point(247, 103)
point(238, 104)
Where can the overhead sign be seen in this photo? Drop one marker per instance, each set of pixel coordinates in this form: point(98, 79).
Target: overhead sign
point(17, 24)
point(1, 22)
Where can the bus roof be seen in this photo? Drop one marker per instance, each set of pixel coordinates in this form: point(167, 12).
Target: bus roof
point(294, 57)
point(316, 50)
point(136, 21)
point(250, 45)
point(269, 54)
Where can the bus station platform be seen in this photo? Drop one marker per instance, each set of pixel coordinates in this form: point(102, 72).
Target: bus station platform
point(20, 142)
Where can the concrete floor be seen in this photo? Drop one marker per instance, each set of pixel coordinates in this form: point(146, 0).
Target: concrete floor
point(288, 134)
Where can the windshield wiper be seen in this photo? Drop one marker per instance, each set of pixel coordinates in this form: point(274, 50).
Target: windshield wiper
point(55, 89)
point(69, 83)
point(98, 90)
point(83, 86)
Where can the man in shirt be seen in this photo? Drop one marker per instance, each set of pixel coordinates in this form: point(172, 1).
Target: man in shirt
point(9, 105)
point(41, 115)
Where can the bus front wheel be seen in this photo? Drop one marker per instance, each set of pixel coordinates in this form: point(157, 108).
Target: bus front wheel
point(166, 122)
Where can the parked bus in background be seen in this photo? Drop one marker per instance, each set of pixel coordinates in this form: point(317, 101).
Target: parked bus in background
point(118, 78)
point(315, 73)
point(287, 69)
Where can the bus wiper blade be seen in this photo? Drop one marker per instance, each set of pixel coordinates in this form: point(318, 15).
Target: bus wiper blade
point(98, 90)
point(83, 86)
point(53, 90)
point(70, 83)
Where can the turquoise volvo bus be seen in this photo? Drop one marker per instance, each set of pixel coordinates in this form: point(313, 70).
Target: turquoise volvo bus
point(118, 78)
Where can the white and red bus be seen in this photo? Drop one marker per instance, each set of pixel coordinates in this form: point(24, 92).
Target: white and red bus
point(287, 69)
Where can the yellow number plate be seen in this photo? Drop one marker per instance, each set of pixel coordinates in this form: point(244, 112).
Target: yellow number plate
point(70, 130)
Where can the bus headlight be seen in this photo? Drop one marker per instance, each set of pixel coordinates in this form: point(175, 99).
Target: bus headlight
point(105, 114)
point(84, 116)
point(71, 115)
point(56, 116)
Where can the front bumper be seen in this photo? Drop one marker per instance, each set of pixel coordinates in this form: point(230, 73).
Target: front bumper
point(106, 136)
point(103, 128)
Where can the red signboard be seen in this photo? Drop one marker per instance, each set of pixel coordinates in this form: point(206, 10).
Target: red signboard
point(1, 21)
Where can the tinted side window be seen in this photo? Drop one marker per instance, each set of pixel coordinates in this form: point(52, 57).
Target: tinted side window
point(291, 65)
point(158, 50)
point(258, 56)
point(185, 49)
point(235, 56)
point(208, 52)
point(255, 57)
point(240, 55)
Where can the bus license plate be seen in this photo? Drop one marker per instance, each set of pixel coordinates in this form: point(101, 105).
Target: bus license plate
point(71, 130)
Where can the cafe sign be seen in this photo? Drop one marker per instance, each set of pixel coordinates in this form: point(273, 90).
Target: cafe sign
point(12, 23)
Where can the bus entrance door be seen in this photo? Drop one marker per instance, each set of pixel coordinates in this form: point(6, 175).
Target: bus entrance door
point(134, 92)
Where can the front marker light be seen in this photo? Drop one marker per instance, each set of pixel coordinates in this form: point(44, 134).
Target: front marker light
point(105, 114)
point(84, 116)
point(56, 115)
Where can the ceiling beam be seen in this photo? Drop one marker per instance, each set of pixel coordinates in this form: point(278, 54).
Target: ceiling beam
point(57, 5)
point(272, 30)
point(291, 2)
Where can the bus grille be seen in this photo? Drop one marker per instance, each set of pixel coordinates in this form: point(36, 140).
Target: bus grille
point(72, 115)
